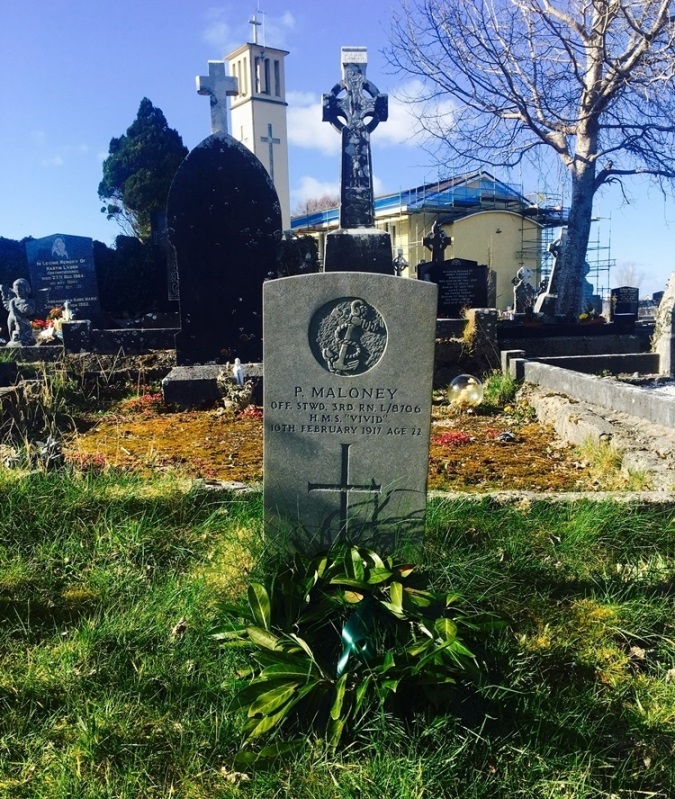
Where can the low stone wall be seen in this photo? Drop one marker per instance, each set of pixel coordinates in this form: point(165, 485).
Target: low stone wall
point(645, 404)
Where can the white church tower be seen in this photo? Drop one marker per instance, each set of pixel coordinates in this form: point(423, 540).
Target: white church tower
point(258, 111)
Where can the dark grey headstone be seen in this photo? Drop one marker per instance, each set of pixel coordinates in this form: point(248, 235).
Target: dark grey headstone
point(461, 284)
point(62, 268)
point(224, 223)
point(624, 304)
point(348, 377)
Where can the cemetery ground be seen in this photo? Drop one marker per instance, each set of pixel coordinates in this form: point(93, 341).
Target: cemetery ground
point(115, 575)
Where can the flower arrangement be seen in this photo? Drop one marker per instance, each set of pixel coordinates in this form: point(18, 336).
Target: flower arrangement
point(590, 316)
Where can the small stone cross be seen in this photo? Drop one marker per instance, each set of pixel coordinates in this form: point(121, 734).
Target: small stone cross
point(354, 107)
point(437, 242)
point(345, 488)
point(218, 86)
point(269, 139)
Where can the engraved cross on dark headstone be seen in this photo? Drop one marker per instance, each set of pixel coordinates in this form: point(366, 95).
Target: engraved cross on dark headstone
point(217, 86)
point(437, 242)
point(354, 107)
point(345, 488)
point(269, 139)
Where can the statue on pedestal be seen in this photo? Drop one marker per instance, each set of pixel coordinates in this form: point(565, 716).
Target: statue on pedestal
point(20, 306)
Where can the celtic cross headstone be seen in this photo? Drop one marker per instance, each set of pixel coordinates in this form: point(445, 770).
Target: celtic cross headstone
point(354, 107)
point(437, 242)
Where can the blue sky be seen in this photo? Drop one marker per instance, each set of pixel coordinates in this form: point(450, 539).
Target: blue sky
point(73, 73)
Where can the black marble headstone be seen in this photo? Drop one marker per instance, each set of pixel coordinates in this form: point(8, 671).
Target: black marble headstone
point(461, 284)
point(224, 223)
point(624, 303)
point(63, 267)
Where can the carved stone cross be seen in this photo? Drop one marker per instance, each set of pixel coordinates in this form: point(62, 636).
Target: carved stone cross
point(345, 488)
point(437, 242)
point(354, 107)
point(218, 87)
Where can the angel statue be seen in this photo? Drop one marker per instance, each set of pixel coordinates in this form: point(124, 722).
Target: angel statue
point(20, 306)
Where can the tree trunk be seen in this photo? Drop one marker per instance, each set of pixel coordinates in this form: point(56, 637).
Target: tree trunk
point(573, 258)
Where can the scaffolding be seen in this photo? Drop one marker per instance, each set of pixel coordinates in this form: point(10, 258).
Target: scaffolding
point(447, 201)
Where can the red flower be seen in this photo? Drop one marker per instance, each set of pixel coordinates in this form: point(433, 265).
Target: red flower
point(452, 438)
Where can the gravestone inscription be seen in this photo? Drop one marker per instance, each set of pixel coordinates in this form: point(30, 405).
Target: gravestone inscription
point(62, 268)
point(624, 304)
point(347, 395)
point(461, 284)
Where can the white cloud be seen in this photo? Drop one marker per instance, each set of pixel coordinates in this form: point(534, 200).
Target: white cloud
point(406, 109)
point(38, 136)
point(305, 128)
point(311, 189)
point(219, 33)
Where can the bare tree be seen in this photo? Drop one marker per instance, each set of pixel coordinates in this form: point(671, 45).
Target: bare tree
point(628, 273)
point(315, 204)
point(589, 81)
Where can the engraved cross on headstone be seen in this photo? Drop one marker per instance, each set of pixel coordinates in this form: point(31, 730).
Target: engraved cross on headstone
point(269, 139)
point(437, 242)
point(218, 86)
point(355, 107)
point(345, 488)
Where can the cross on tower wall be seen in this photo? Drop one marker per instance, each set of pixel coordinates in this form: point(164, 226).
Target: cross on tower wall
point(258, 112)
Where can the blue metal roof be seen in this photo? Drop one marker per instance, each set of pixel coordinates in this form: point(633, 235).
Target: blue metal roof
point(468, 191)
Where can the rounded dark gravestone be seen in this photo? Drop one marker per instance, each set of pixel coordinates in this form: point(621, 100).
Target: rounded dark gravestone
point(224, 222)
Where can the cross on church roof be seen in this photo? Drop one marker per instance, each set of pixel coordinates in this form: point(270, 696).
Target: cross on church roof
point(256, 24)
point(218, 87)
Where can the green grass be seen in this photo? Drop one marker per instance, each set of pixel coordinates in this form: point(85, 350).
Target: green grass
point(111, 686)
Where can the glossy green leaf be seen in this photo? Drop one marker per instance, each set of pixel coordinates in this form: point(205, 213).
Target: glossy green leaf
point(446, 629)
point(340, 688)
point(354, 565)
point(263, 638)
point(271, 700)
point(396, 611)
point(396, 595)
point(257, 726)
point(379, 575)
point(303, 645)
point(351, 582)
point(259, 602)
point(305, 670)
point(361, 692)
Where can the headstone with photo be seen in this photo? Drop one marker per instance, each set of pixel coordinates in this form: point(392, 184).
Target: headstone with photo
point(461, 284)
point(62, 268)
point(624, 304)
point(354, 107)
point(347, 395)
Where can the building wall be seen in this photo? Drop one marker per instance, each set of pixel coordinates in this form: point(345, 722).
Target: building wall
point(261, 102)
point(475, 238)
